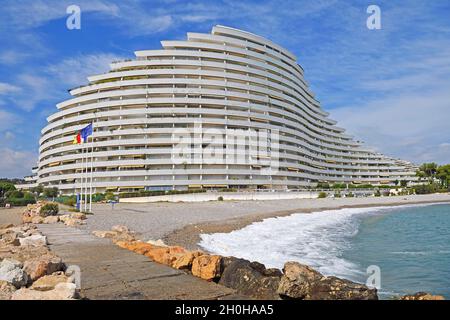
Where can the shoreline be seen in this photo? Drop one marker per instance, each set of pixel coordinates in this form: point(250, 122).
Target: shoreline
point(189, 236)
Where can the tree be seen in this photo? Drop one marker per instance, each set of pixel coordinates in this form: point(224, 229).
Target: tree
point(403, 183)
point(443, 174)
point(37, 190)
point(5, 187)
point(51, 192)
point(427, 170)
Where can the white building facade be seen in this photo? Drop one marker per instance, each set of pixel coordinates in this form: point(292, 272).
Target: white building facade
point(209, 90)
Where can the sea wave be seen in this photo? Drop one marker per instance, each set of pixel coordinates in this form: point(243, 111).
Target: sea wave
point(316, 239)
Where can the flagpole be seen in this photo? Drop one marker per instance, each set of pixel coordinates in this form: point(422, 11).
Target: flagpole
point(92, 169)
point(86, 178)
point(81, 179)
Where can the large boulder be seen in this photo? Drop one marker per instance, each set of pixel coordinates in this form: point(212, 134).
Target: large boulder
point(9, 238)
point(61, 291)
point(78, 215)
point(207, 267)
point(250, 279)
point(35, 240)
point(49, 282)
point(304, 283)
point(43, 265)
point(34, 211)
point(159, 254)
point(11, 271)
point(50, 220)
point(71, 222)
point(6, 290)
point(37, 220)
point(422, 296)
point(139, 247)
point(184, 262)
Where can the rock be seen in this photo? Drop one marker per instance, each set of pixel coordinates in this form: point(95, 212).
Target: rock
point(11, 271)
point(160, 255)
point(71, 222)
point(250, 279)
point(422, 296)
point(120, 229)
point(37, 220)
point(6, 290)
point(51, 220)
point(62, 291)
point(35, 240)
point(184, 262)
point(158, 243)
point(104, 234)
point(27, 219)
point(78, 215)
point(49, 282)
point(43, 265)
point(304, 283)
point(64, 217)
point(206, 267)
point(139, 247)
point(9, 238)
point(22, 253)
point(33, 211)
point(124, 237)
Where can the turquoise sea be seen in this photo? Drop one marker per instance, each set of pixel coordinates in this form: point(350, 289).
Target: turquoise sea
point(409, 244)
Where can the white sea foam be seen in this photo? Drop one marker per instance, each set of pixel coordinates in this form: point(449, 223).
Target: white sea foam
point(318, 240)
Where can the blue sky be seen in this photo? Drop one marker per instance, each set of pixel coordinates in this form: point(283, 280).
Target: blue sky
point(388, 87)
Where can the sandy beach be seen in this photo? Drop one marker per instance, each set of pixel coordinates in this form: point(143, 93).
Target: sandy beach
point(182, 223)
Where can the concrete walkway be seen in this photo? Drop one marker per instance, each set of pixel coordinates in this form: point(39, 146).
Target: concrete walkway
point(109, 272)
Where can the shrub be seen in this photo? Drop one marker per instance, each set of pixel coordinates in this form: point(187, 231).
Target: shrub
point(14, 194)
point(339, 186)
point(377, 193)
point(337, 195)
point(109, 196)
point(426, 188)
point(364, 186)
point(70, 201)
point(322, 195)
point(350, 195)
point(323, 185)
point(97, 197)
point(20, 201)
point(220, 198)
point(49, 209)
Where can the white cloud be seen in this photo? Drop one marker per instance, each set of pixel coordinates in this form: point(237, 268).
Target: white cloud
point(408, 126)
point(32, 14)
point(75, 70)
point(16, 163)
point(6, 88)
point(8, 120)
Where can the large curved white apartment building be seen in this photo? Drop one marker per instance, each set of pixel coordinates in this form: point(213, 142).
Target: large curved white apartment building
point(227, 80)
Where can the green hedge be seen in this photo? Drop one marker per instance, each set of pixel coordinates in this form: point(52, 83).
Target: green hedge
point(157, 193)
point(20, 201)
